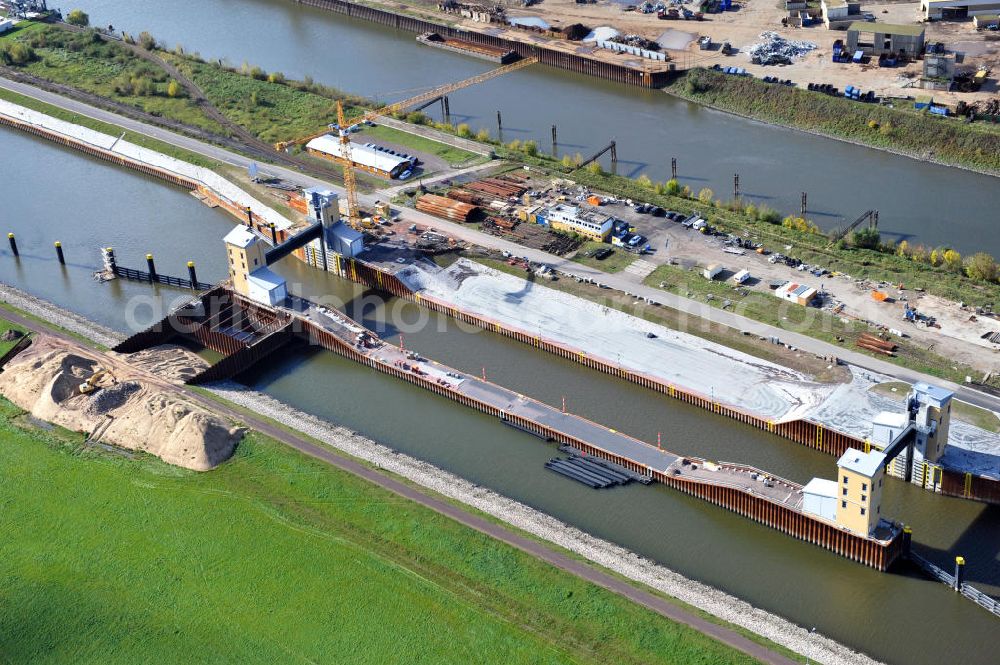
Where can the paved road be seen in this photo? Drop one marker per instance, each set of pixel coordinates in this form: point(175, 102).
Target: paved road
point(617, 281)
point(554, 557)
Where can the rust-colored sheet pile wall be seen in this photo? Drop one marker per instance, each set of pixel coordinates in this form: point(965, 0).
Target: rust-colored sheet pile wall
point(297, 202)
point(446, 208)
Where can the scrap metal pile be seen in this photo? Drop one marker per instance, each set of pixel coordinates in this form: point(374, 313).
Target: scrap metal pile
point(985, 107)
point(636, 40)
point(773, 49)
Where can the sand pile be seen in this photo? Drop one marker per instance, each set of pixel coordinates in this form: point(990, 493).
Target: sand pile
point(133, 413)
point(169, 361)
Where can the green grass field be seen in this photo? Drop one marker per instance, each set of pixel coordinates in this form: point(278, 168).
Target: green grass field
point(618, 261)
point(275, 557)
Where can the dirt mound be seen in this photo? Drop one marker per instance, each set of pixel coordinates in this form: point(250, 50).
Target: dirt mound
point(169, 361)
point(127, 411)
point(111, 398)
point(11, 335)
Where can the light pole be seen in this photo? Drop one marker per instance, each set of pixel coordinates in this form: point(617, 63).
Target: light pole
point(811, 631)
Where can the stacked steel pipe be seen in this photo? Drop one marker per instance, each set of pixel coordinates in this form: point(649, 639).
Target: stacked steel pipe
point(446, 208)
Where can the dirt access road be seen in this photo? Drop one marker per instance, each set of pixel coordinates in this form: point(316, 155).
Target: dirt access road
point(558, 559)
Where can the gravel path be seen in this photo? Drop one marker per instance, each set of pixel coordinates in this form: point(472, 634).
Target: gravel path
point(58, 316)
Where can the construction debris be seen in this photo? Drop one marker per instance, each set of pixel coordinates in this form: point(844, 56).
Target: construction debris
point(773, 49)
point(636, 40)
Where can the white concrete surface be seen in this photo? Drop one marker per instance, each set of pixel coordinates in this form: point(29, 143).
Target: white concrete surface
point(725, 375)
point(206, 177)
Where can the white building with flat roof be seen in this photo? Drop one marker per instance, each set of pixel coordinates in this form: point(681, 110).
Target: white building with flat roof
point(819, 497)
point(589, 223)
point(365, 158)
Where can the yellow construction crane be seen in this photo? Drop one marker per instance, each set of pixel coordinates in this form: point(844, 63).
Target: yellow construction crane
point(343, 127)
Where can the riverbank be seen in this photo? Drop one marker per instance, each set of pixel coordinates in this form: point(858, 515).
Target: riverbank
point(627, 564)
point(946, 141)
point(268, 538)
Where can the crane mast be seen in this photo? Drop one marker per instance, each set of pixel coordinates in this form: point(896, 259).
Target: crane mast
point(350, 181)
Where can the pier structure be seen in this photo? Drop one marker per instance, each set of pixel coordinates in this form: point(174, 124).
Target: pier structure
point(637, 72)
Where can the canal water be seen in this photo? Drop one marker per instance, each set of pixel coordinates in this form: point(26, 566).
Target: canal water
point(895, 617)
point(917, 201)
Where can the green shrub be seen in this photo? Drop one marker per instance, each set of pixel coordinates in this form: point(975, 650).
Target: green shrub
point(147, 41)
point(868, 238)
point(78, 17)
point(17, 53)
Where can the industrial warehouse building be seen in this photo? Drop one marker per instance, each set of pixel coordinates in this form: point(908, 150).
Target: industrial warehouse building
point(572, 219)
point(957, 9)
point(367, 159)
point(884, 38)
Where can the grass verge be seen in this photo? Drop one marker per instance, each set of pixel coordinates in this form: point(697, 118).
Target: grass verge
point(89, 62)
point(226, 564)
point(818, 368)
point(810, 321)
point(448, 153)
point(7, 326)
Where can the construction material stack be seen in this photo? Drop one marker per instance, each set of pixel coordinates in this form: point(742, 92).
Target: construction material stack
point(446, 208)
point(872, 343)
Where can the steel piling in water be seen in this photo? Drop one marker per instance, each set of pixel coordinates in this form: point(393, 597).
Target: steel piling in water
point(151, 267)
point(192, 275)
point(59, 253)
point(13, 244)
point(871, 552)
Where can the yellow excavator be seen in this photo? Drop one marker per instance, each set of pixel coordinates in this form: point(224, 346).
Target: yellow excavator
point(90, 385)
